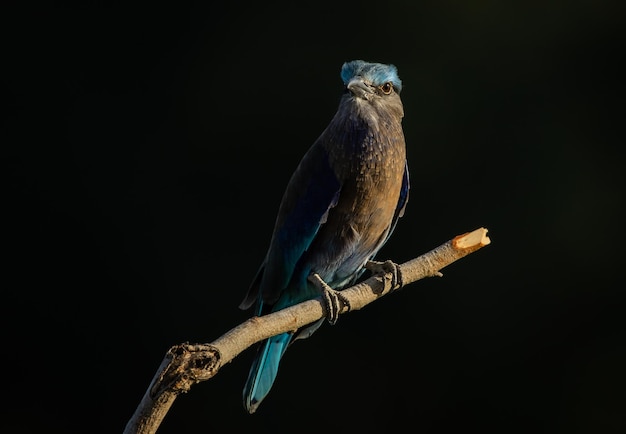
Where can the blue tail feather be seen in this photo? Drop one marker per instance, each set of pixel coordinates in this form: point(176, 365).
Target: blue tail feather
point(264, 370)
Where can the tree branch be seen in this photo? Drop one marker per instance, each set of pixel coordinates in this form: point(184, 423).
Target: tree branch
point(187, 364)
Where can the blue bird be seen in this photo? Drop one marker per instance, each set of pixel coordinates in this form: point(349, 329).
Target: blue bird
point(339, 208)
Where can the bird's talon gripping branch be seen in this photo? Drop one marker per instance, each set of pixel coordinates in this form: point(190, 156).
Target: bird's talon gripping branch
point(334, 300)
point(388, 266)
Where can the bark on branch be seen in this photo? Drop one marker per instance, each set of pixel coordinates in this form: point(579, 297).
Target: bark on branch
point(187, 364)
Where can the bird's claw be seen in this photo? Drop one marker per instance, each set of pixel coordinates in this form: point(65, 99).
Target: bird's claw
point(334, 300)
point(387, 267)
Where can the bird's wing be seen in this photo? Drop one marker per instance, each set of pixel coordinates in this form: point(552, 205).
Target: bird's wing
point(312, 191)
point(402, 201)
point(404, 195)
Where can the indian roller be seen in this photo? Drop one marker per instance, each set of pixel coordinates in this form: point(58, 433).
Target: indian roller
point(339, 208)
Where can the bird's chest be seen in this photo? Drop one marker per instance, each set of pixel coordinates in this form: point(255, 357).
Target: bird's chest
point(369, 162)
point(362, 217)
point(374, 178)
point(371, 157)
point(369, 197)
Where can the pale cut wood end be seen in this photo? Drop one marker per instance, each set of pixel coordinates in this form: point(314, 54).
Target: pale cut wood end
point(472, 240)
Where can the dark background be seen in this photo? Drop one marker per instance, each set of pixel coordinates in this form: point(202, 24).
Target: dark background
point(147, 151)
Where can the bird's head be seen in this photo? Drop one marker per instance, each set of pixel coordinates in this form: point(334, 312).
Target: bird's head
point(366, 79)
point(373, 90)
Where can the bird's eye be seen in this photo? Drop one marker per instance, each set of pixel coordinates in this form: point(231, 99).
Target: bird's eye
point(387, 88)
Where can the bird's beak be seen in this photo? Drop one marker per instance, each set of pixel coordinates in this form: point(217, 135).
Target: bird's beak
point(359, 88)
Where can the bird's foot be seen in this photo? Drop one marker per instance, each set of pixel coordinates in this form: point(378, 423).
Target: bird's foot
point(334, 300)
point(387, 267)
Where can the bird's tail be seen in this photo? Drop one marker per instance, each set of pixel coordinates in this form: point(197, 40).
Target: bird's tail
point(264, 369)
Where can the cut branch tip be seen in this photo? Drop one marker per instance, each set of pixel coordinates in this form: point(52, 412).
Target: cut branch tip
point(471, 240)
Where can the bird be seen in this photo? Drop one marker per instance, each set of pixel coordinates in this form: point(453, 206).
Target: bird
point(339, 208)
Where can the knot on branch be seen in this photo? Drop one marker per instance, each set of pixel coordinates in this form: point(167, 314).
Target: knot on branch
point(188, 364)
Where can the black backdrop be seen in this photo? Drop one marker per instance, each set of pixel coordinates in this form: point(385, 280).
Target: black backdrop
point(147, 151)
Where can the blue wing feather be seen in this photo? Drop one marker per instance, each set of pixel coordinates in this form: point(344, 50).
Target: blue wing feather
point(402, 201)
point(312, 191)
